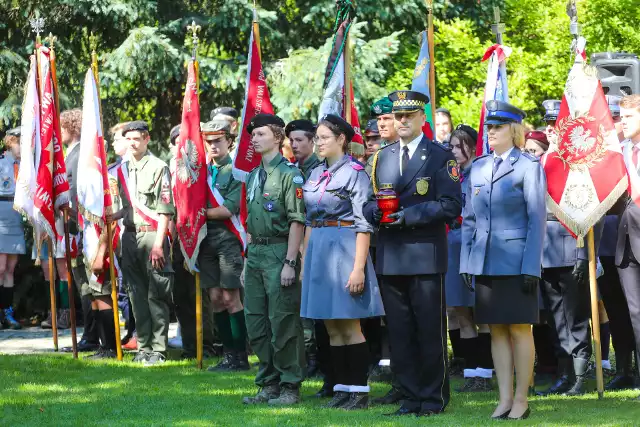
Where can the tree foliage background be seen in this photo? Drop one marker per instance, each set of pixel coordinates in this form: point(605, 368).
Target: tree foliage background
point(143, 46)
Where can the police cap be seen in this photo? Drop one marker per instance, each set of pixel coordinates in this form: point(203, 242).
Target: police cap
point(551, 109)
point(408, 101)
point(500, 113)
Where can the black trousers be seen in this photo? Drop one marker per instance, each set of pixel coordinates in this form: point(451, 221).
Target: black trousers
point(616, 305)
point(568, 303)
point(416, 316)
point(90, 332)
point(629, 272)
point(184, 299)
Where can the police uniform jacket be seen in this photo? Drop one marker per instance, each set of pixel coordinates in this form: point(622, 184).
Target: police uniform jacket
point(429, 193)
point(504, 222)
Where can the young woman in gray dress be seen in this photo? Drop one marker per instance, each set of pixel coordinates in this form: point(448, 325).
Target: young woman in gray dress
point(12, 242)
point(339, 283)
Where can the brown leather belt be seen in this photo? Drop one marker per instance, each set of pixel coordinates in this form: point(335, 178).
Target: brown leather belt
point(331, 223)
point(140, 229)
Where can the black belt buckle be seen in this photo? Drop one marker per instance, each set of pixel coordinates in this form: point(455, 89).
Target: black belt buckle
point(261, 240)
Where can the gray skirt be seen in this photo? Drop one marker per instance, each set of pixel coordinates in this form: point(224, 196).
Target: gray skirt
point(328, 264)
point(11, 230)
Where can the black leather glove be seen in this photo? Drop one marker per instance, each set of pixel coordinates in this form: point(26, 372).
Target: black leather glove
point(529, 284)
point(377, 216)
point(580, 271)
point(468, 281)
point(399, 219)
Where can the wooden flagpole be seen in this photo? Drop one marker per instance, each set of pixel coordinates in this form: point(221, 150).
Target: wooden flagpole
point(595, 315)
point(37, 25)
point(65, 209)
point(199, 337)
point(432, 56)
point(108, 225)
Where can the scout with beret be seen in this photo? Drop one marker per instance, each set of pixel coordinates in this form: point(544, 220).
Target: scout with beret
point(551, 112)
point(220, 259)
point(147, 209)
point(300, 134)
point(272, 291)
point(373, 141)
point(424, 177)
point(381, 111)
point(536, 143)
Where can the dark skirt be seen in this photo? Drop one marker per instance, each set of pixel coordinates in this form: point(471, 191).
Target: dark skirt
point(500, 301)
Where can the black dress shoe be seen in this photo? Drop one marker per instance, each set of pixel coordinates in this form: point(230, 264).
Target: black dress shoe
point(620, 382)
point(402, 411)
point(83, 347)
point(325, 391)
point(393, 396)
point(523, 416)
point(502, 416)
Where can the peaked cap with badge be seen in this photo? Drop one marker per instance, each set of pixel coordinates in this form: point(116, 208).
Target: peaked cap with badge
point(226, 111)
point(216, 127)
point(501, 113)
point(408, 101)
point(551, 109)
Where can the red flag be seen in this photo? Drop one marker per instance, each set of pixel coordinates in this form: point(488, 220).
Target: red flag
point(586, 173)
point(190, 187)
point(256, 101)
point(357, 143)
point(52, 188)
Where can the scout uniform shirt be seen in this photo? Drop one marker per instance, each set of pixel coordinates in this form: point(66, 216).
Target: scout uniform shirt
point(149, 182)
point(274, 199)
point(230, 189)
point(309, 164)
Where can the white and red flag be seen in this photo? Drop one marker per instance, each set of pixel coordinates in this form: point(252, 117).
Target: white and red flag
point(256, 101)
point(585, 171)
point(190, 187)
point(94, 196)
point(26, 188)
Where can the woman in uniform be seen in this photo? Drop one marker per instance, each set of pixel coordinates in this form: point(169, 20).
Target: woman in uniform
point(12, 242)
point(475, 347)
point(502, 239)
point(339, 283)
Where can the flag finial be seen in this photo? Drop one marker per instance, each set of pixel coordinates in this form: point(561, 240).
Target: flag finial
point(37, 25)
point(498, 28)
point(194, 29)
point(51, 39)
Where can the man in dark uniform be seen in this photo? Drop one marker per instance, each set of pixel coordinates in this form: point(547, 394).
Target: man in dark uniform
point(412, 254)
point(552, 110)
point(300, 134)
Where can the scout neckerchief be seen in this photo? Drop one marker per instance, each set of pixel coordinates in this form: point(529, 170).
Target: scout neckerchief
point(261, 178)
point(216, 200)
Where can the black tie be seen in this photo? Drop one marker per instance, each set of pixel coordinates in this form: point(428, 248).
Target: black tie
point(405, 158)
point(496, 164)
point(262, 174)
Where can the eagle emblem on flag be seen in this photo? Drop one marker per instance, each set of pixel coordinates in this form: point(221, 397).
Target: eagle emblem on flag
point(187, 167)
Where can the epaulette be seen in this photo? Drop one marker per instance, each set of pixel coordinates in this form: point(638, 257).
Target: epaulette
point(356, 165)
point(443, 147)
point(529, 156)
point(388, 145)
point(481, 157)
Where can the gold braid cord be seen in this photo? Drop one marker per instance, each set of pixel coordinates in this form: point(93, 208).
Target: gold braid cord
point(373, 173)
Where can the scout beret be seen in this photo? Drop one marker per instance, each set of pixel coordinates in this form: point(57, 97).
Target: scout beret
point(551, 109)
point(539, 137)
point(500, 113)
point(443, 110)
point(468, 130)
point(136, 125)
point(227, 111)
point(372, 128)
point(408, 101)
point(303, 125)
point(175, 133)
point(16, 131)
point(260, 120)
point(341, 124)
point(381, 106)
point(216, 127)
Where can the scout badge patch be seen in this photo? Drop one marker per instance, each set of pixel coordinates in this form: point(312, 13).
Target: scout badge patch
point(452, 169)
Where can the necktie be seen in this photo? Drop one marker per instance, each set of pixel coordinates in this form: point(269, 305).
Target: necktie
point(263, 178)
point(634, 157)
point(213, 170)
point(405, 158)
point(496, 164)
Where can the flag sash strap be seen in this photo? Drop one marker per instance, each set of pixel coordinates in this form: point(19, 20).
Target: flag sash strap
point(233, 224)
point(146, 214)
point(634, 179)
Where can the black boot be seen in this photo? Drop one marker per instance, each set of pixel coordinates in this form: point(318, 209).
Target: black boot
point(312, 365)
point(623, 379)
point(580, 367)
point(564, 382)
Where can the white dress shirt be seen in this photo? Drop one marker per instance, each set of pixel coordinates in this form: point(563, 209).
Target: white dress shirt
point(413, 146)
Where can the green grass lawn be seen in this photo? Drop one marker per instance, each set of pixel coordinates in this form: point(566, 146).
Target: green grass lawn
point(57, 390)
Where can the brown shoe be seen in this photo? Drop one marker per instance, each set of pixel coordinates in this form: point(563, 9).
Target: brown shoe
point(264, 395)
point(64, 319)
point(289, 395)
